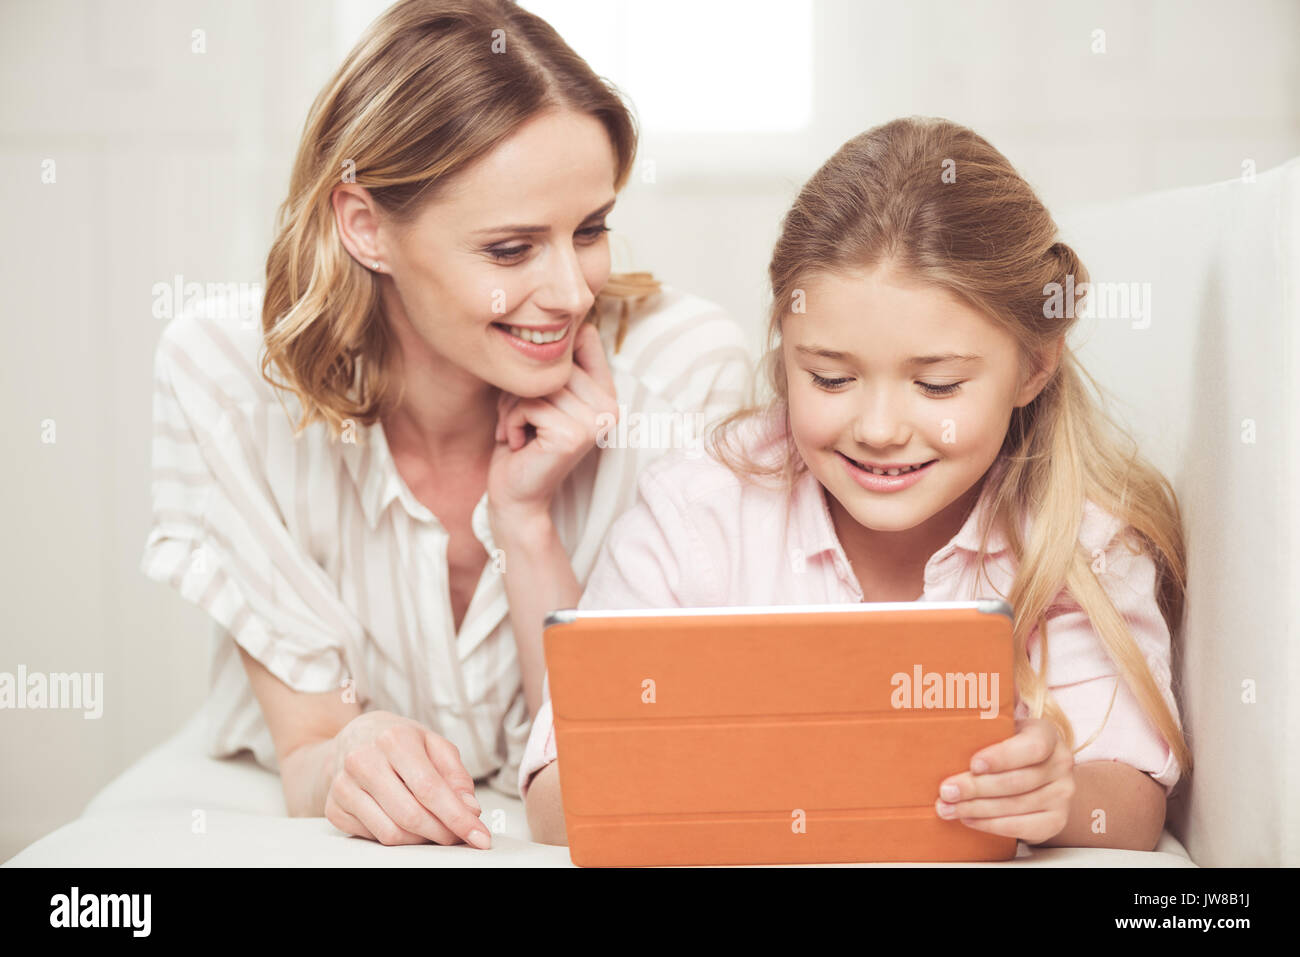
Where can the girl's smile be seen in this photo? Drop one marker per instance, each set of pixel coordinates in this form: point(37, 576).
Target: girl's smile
point(888, 479)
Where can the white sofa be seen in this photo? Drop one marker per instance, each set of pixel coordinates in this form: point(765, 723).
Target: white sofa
point(1210, 387)
point(1220, 347)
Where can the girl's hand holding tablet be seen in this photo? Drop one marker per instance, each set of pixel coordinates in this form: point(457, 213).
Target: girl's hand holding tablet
point(1020, 787)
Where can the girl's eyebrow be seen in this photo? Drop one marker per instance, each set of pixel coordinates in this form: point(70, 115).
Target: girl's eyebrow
point(542, 229)
point(943, 357)
point(914, 361)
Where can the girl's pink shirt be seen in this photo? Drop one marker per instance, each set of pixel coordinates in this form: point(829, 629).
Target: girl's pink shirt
point(699, 536)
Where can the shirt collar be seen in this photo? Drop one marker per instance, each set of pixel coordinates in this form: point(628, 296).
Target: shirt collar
point(373, 471)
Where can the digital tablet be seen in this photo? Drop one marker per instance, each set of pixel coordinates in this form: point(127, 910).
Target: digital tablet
point(792, 734)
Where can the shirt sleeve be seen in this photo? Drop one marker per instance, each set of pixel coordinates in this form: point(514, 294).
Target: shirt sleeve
point(218, 535)
point(652, 558)
point(1082, 677)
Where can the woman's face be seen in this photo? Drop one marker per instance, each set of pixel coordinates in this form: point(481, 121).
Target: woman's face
point(515, 242)
point(862, 390)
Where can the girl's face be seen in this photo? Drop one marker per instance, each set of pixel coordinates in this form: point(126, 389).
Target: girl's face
point(888, 372)
point(516, 240)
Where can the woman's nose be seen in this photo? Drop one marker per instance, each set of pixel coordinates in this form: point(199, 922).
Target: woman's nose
point(566, 288)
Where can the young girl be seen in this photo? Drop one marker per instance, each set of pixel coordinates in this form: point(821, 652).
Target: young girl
point(930, 438)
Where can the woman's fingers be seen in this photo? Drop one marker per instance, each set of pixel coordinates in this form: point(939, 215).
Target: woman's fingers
point(562, 412)
point(394, 791)
point(505, 402)
point(588, 394)
point(445, 757)
point(345, 821)
point(589, 354)
point(417, 794)
point(373, 772)
point(601, 398)
point(543, 416)
point(575, 408)
point(361, 805)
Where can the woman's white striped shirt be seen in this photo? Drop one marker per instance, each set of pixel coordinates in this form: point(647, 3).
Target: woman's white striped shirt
point(319, 561)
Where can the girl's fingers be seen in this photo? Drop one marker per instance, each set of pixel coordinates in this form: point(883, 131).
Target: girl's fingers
point(1032, 744)
point(1016, 781)
point(1031, 828)
point(1049, 795)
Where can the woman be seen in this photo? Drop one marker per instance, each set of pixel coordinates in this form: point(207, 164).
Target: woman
point(441, 322)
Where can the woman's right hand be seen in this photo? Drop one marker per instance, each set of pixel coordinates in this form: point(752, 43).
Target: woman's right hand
point(396, 782)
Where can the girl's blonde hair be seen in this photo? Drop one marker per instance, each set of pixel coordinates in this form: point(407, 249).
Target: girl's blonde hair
point(432, 86)
point(984, 236)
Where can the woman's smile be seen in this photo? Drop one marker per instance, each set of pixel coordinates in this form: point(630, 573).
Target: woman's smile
point(545, 343)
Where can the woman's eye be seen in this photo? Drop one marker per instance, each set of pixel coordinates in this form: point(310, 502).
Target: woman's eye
point(939, 389)
point(590, 233)
point(502, 255)
point(827, 383)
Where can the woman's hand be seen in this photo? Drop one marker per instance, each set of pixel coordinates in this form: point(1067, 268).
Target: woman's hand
point(525, 472)
point(1024, 791)
point(396, 782)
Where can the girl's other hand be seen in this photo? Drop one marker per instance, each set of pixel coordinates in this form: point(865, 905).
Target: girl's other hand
point(1022, 789)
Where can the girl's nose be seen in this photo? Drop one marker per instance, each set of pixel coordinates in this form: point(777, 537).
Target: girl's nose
point(879, 423)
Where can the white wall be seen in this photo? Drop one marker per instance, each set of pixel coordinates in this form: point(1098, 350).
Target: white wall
point(171, 162)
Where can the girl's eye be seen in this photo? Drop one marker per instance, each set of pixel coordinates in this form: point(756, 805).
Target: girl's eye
point(591, 233)
point(827, 383)
point(930, 388)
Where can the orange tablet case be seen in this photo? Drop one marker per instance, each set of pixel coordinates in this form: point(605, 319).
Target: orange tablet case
point(785, 734)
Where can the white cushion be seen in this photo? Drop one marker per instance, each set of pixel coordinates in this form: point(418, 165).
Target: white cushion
point(1219, 358)
point(146, 818)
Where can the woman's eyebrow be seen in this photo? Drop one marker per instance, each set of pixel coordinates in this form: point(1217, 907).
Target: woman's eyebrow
point(542, 229)
point(931, 360)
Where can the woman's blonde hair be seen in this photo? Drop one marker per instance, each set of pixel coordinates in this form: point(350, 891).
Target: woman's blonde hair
point(984, 236)
point(432, 86)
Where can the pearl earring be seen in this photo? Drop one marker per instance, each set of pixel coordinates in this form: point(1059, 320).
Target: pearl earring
point(374, 264)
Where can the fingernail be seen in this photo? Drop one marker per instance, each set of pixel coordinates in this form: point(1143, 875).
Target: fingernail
point(469, 799)
point(950, 792)
point(945, 810)
point(480, 839)
point(979, 765)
